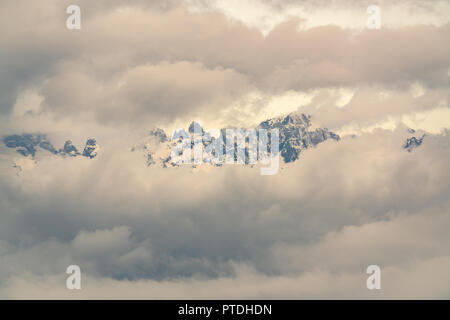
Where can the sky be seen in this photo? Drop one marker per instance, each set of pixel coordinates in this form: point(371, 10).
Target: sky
point(149, 232)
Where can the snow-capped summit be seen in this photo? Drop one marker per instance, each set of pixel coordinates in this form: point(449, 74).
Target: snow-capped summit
point(27, 144)
point(294, 119)
point(295, 136)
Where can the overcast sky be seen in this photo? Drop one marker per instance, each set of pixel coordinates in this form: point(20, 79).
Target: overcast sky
point(149, 232)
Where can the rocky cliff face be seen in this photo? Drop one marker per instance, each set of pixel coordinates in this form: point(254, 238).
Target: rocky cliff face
point(413, 142)
point(295, 136)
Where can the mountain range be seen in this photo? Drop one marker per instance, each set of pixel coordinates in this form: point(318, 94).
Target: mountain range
point(295, 136)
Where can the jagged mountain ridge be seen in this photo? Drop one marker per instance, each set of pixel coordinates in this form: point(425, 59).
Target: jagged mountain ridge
point(413, 142)
point(28, 144)
point(295, 136)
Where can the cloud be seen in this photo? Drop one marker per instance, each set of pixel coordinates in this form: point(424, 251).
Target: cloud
point(130, 63)
point(134, 226)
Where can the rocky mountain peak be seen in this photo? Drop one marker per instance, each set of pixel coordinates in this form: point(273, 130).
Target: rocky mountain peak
point(28, 144)
point(195, 127)
point(69, 149)
point(159, 134)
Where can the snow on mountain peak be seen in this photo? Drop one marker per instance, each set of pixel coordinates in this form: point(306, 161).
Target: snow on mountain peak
point(28, 144)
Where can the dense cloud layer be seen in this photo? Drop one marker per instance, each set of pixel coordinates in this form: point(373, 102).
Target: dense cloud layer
point(148, 232)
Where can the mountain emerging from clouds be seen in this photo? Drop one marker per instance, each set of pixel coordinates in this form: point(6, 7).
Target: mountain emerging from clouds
point(295, 136)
